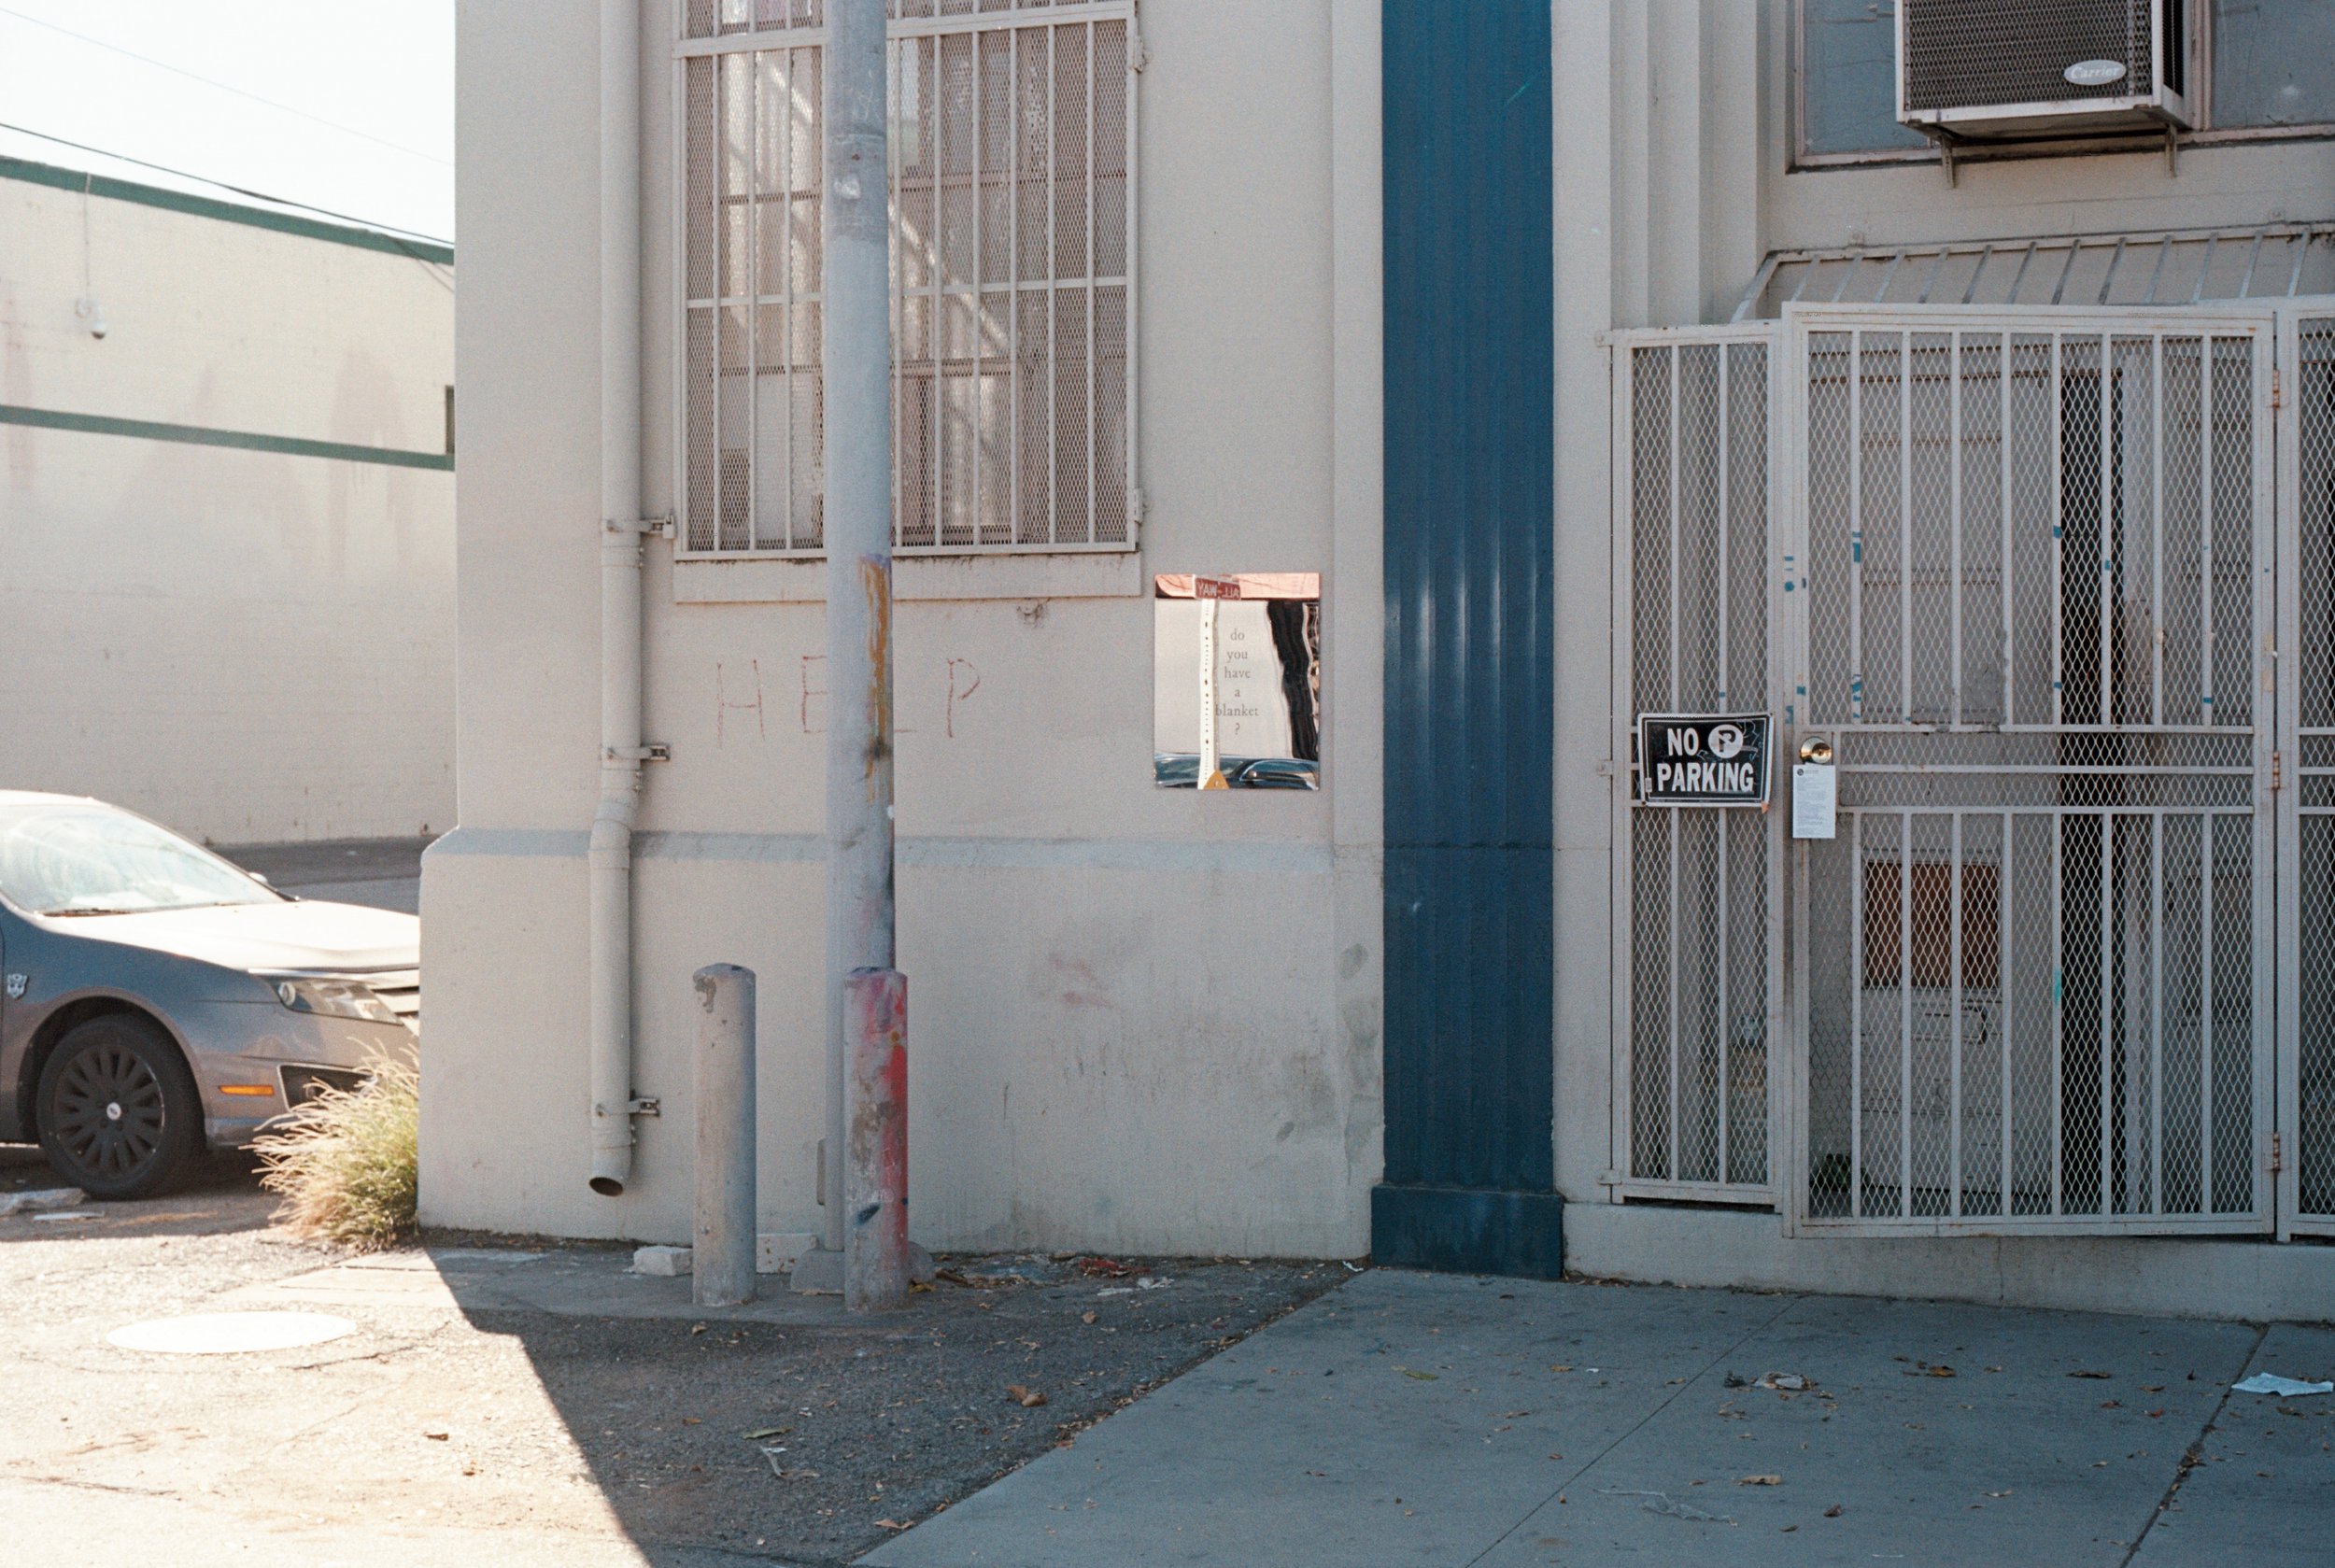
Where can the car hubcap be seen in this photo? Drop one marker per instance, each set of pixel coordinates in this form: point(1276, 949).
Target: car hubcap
point(109, 1111)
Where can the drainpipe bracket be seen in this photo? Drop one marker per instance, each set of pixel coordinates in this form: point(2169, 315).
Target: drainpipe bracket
point(647, 1107)
point(656, 751)
point(662, 528)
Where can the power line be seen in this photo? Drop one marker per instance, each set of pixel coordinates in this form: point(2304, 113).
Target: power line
point(228, 87)
point(389, 229)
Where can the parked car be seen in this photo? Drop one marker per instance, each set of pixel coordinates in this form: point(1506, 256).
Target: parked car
point(159, 1000)
point(1182, 771)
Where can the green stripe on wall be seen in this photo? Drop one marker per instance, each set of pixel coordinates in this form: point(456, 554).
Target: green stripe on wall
point(226, 212)
point(203, 435)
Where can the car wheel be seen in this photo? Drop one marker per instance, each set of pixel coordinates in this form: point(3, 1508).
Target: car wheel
point(119, 1117)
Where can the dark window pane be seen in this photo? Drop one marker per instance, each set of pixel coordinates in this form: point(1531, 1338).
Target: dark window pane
point(2273, 62)
point(1848, 55)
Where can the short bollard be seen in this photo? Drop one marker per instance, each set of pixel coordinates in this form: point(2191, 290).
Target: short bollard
point(875, 1175)
point(722, 1269)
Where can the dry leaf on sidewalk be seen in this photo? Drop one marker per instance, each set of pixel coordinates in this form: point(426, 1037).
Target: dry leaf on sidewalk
point(1028, 1399)
point(1758, 1480)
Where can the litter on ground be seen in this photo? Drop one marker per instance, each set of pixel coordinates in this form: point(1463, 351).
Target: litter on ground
point(2271, 1382)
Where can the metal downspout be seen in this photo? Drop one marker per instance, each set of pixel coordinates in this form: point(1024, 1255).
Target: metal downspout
point(620, 750)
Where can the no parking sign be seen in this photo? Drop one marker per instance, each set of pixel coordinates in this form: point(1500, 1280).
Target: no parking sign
point(1703, 759)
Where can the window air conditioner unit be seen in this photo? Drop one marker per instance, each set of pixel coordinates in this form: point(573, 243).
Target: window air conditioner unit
point(2021, 70)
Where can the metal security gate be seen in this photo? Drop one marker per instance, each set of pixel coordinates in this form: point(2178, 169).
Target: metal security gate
point(2306, 482)
point(2031, 970)
point(1697, 893)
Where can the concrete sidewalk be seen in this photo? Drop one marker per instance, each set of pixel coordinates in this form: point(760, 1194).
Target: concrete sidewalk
point(1423, 1419)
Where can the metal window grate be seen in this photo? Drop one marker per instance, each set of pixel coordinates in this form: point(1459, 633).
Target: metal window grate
point(2190, 267)
point(2035, 996)
point(1691, 1089)
point(1013, 180)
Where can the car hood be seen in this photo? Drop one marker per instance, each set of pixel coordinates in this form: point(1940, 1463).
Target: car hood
point(339, 938)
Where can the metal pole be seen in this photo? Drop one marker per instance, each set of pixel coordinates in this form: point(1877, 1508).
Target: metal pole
point(721, 1265)
point(857, 362)
point(875, 1195)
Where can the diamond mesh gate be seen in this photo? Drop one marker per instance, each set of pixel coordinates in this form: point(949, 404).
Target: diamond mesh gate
point(1699, 989)
point(2035, 624)
point(2307, 900)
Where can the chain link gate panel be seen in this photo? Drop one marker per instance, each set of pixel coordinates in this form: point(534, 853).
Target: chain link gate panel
point(1697, 891)
point(2307, 748)
point(2031, 967)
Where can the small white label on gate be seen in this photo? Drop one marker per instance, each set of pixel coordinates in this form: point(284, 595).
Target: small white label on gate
point(1814, 797)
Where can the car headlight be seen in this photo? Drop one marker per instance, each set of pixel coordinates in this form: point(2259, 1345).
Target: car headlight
point(332, 998)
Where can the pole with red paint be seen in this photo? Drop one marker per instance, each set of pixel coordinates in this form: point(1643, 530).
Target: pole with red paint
point(866, 1153)
point(875, 1189)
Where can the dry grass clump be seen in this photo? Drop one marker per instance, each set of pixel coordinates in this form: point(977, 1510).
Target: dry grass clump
point(346, 1165)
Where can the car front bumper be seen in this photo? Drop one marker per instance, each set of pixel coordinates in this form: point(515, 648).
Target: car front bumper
point(255, 1061)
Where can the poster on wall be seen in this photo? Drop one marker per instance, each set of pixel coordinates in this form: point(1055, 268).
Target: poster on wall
point(1236, 681)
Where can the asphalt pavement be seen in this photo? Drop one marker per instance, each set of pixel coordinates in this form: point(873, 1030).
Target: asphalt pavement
point(502, 1399)
point(385, 873)
point(497, 1400)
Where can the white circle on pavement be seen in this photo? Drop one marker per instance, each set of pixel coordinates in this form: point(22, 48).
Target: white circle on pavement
point(223, 1334)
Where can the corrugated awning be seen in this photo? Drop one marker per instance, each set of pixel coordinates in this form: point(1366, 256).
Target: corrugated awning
point(2160, 267)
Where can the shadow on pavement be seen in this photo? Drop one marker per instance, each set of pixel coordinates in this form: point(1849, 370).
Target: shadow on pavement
point(540, 1396)
point(786, 1429)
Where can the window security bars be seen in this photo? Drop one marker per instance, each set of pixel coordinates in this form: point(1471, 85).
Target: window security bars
point(2173, 267)
point(1014, 133)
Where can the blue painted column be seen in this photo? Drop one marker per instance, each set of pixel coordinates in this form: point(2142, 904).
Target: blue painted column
point(1470, 522)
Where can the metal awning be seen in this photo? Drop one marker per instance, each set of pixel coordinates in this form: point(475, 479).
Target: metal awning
point(2160, 267)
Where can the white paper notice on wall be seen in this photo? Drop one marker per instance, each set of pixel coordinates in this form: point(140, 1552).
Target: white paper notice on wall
point(1814, 797)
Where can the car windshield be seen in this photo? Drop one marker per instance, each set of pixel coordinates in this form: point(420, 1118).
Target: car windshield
point(79, 857)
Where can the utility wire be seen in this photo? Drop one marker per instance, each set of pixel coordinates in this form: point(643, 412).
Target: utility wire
point(226, 87)
point(389, 229)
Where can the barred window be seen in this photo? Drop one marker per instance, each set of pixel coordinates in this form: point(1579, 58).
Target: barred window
point(1013, 183)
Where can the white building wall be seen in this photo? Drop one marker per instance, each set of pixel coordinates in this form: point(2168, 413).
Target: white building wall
point(248, 645)
point(1139, 1019)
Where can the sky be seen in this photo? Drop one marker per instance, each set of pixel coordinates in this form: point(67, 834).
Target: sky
point(335, 104)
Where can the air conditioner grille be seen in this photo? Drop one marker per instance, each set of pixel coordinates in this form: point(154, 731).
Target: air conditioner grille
point(1977, 52)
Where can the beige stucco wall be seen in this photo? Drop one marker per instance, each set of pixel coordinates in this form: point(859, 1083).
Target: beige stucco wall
point(248, 645)
point(1139, 1019)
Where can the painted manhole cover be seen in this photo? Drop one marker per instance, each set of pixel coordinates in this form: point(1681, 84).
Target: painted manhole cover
point(223, 1333)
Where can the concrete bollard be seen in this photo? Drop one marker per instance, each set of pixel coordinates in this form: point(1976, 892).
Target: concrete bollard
point(875, 1175)
point(722, 1258)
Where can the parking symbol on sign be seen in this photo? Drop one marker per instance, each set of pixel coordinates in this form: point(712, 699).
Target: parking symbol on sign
point(1703, 759)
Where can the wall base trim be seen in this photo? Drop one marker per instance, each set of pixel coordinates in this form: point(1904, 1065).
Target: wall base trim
point(2254, 1279)
point(1467, 1230)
